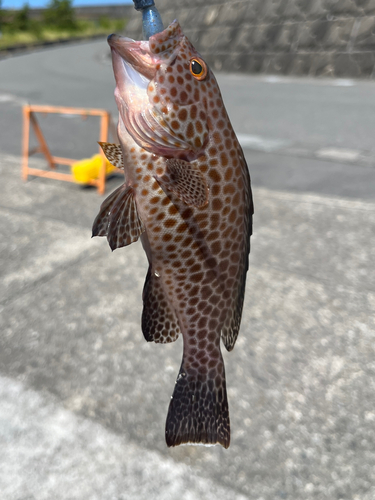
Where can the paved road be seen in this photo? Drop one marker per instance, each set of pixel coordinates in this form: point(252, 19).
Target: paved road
point(301, 120)
point(84, 398)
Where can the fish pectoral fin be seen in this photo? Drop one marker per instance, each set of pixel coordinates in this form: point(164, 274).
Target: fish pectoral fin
point(118, 219)
point(159, 321)
point(113, 153)
point(186, 181)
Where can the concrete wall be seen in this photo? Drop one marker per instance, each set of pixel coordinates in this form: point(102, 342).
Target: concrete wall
point(299, 37)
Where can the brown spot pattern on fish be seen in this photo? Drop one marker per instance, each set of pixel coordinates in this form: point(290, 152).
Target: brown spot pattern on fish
point(191, 190)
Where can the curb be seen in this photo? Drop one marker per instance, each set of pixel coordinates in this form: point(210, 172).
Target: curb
point(25, 48)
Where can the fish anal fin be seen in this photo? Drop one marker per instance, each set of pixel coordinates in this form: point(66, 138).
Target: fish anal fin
point(186, 181)
point(159, 322)
point(198, 412)
point(118, 219)
point(113, 153)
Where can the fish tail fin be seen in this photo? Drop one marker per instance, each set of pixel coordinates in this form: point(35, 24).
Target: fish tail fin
point(198, 411)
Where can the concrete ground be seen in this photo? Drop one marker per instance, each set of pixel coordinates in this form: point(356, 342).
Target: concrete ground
point(84, 398)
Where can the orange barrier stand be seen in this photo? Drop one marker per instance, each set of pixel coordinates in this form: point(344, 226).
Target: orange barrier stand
point(29, 116)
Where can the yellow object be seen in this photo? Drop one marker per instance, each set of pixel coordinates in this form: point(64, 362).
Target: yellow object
point(87, 170)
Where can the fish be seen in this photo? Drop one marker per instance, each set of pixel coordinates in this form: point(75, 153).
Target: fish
point(187, 197)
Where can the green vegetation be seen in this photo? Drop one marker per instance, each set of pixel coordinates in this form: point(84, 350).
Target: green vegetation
point(58, 21)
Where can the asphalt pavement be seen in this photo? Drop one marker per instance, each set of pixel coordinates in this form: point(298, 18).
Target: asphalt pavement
point(84, 398)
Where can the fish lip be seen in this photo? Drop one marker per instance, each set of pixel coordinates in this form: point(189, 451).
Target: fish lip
point(136, 59)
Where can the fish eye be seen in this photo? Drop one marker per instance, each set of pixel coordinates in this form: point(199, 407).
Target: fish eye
point(198, 69)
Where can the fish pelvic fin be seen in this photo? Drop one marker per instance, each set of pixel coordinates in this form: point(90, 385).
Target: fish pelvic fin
point(159, 322)
point(186, 181)
point(118, 218)
point(113, 153)
point(198, 411)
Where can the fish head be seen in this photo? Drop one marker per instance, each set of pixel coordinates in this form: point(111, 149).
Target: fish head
point(164, 88)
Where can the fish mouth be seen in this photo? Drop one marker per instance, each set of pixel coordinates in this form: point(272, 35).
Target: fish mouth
point(143, 56)
point(134, 69)
point(132, 60)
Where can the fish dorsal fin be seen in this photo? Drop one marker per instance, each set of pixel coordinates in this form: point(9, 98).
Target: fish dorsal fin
point(159, 322)
point(118, 219)
point(186, 181)
point(113, 153)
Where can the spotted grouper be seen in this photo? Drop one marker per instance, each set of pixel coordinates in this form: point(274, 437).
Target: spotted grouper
point(187, 196)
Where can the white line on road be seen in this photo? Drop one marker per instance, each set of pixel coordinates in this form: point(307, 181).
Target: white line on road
point(260, 143)
point(270, 145)
point(343, 82)
point(340, 154)
point(12, 98)
point(283, 79)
